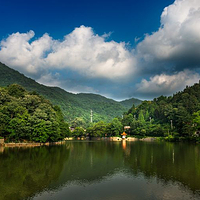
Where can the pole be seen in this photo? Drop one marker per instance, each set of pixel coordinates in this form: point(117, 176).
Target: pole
point(91, 115)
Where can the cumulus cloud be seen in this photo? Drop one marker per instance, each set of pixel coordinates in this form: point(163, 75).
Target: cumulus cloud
point(176, 45)
point(82, 51)
point(75, 88)
point(88, 53)
point(50, 79)
point(17, 51)
point(167, 84)
point(170, 56)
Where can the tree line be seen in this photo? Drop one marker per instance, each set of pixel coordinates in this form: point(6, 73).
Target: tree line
point(175, 117)
point(27, 116)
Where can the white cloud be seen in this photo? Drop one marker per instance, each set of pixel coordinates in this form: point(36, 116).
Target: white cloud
point(50, 79)
point(17, 52)
point(82, 89)
point(167, 84)
point(81, 51)
point(178, 38)
point(88, 53)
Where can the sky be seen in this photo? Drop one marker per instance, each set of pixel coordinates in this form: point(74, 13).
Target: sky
point(119, 49)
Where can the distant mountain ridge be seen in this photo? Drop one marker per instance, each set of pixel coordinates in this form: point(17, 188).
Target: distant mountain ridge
point(128, 103)
point(72, 105)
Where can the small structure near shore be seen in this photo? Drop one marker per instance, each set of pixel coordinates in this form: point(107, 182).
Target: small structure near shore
point(123, 135)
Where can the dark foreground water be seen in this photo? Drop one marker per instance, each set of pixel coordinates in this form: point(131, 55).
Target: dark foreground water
point(101, 171)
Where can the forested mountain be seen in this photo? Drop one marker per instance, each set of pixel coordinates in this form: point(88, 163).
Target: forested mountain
point(175, 116)
point(128, 103)
point(26, 116)
point(75, 107)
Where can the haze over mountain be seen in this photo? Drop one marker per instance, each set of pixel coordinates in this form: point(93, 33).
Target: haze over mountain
point(73, 105)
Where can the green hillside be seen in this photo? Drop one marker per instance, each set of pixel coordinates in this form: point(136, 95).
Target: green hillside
point(74, 106)
point(174, 116)
point(128, 103)
point(26, 116)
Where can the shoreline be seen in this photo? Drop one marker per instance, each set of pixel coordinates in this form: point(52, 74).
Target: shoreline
point(31, 144)
point(37, 144)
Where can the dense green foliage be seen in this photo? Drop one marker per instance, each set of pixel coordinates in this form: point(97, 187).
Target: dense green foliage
point(101, 129)
point(73, 106)
point(78, 132)
point(177, 116)
point(174, 116)
point(26, 116)
point(129, 102)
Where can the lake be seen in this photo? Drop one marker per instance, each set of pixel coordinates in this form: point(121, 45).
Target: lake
point(89, 170)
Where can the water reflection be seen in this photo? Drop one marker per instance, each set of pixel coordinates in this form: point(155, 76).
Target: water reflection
point(119, 186)
point(102, 170)
point(1, 149)
point(24, 172)
point(168, 162)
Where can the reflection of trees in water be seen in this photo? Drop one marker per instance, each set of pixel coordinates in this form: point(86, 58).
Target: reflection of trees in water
point(25, 172)
point(91, 162)
point(167, 162)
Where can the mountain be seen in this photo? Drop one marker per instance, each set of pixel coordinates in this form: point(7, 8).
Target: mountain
point(128, 103)
point(173, 116)
point(72, 105)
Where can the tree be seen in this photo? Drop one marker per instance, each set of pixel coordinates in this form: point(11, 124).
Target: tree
point(141, 117)
point(78, 132)
point(98, 129)
point(114, 128)
point(127, 120)
point(16, 90)
point(78, 122)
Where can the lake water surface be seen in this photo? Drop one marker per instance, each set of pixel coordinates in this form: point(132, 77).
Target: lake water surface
point(101, 170)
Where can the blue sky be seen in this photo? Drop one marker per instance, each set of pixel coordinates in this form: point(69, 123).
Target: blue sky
point(126, 19)
point(119, 49)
